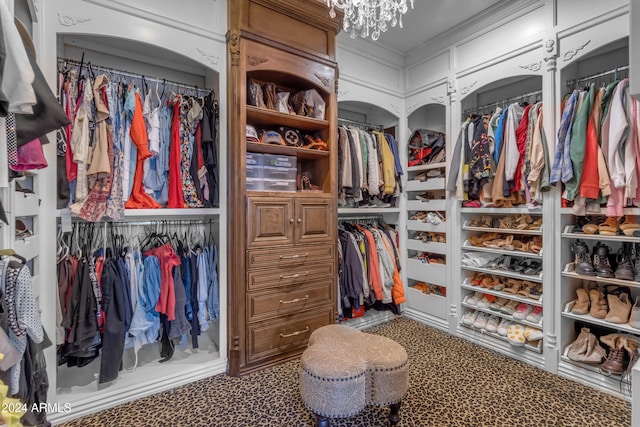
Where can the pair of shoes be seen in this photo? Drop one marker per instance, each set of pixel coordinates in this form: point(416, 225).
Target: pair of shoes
point(622, 350)
point(625, 269)
point(612, 224)
point(582, 260)
point(22, 231)
point(377, 203)
point(586, 348)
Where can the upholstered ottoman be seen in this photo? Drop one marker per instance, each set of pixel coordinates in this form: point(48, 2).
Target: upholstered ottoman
point(343, 370)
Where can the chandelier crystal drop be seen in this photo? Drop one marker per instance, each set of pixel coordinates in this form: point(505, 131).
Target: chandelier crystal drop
point(369, 17)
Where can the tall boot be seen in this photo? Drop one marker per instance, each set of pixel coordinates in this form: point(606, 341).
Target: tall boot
point(582, 304)
point(577, 349)
point(619, 308)
point(599, 307)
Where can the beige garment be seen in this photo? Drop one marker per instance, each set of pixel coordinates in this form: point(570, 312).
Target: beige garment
point(536, 161)
point(80, 142)
point(99, 160)
point(347, 176)
point(496, 190)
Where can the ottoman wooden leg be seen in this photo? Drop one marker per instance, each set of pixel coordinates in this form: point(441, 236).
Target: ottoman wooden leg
point(322, 421)
point(394, 415)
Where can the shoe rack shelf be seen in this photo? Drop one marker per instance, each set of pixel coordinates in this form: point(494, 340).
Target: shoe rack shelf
point(430, 184)
point(366, 211)
point(603, 211)
point(466, 246)
point(426, 205)
point(501, 315)
point(467, 227)
point(435, 305)
point(535, 302)
point(569, 271)
point(432, 273)
point(535, 348)
point(602, 237)
point(505, 273)
point(427, 166)
point(499, 211)
point(417, 225)
point(433, 247)
point(587, 318)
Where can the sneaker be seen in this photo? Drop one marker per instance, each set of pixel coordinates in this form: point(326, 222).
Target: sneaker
point(473, 299)
point(469, 317)
point(582, 259)
point(492, 324)
point(535, 316)
point(522, 311)
point(503, 327)
point(481, 321)
point(486, 301)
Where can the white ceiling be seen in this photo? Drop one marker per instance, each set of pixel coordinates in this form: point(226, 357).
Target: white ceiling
point(427, 20)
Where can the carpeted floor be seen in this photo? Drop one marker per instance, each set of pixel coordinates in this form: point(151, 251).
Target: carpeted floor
point(452, 383)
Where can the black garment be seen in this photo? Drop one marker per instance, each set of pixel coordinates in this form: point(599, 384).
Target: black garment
point(126, 292)
point(180, 325)
point(166, 345)
point(210, 147)
point(353, 279)
point(114, 325)
point(62, 184)
point(195, 324)
point(4, 102)
point(34, 382)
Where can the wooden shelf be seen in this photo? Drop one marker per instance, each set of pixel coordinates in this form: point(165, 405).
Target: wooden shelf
point(301, 153)
point(261, 117)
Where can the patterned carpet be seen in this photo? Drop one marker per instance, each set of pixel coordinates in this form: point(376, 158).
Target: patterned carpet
point(452, 383)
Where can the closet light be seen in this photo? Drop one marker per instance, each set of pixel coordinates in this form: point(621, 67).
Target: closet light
point(369, 17)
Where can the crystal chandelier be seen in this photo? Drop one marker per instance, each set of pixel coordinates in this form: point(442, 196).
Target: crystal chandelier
point(369, 17)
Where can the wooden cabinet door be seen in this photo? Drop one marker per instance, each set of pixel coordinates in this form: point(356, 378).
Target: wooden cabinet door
point(315, 220)
point(270, 221)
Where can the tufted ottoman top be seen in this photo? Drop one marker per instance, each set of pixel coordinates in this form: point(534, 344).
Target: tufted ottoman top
point(341, 352)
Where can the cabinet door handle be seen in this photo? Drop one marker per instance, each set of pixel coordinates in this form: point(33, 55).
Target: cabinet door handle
point(306, 297)
point(299, 220)
point(293, 276)
point(291, 221)
point(292, 334)
point(294, 256)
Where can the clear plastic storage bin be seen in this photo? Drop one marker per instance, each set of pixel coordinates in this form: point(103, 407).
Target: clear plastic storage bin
point(272, 172)
point(279, 161)
point(254, 184)
point(278, 185)
point(255, 159)
point(255, 171)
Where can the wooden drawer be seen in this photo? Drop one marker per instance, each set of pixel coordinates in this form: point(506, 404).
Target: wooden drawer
point(275, 278)
point(286, 333)
point(263, 305)
point(294, 256)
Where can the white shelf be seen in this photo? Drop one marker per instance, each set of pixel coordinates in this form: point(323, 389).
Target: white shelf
point(537, 348)
point(434, 305)
point(502, 315)
point(416, 225)
point(488, 210)
point(431, 184)
point(587, 318)
point(426, 167)
point(603, 211)
point(430, 273)
point(467, 285)
point(466, 246)
point(426, 205)
point(569, 271)
point(467, 227)
point(26, 204)
point(171, 213)
point(584, 236)
point(433, 247)
point(366, 211)
point(504, 273)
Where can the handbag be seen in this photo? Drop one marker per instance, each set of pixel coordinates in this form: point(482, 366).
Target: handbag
point(30, 157)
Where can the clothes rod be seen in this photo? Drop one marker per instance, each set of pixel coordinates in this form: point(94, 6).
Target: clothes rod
point(595, 76)
point(64, 61)
point(360, 124)
point(503, 102)
point(77, 222)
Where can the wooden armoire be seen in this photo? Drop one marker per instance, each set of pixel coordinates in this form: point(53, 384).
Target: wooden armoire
point(282, 244)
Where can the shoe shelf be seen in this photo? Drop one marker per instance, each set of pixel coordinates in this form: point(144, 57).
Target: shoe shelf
point(417, 225)
point(587, 318)
point(501, 211)
point(501, 315)
point(426, 205)
point(435, 305)
point(569, 271)
point(265, 117)
point(535, 348)
point(537, 278)
point(426, 185)
point(433, 247)
point(466, 246)
point(535, 302)
point(603, 211)
point(467, 227)
point(602, 237)
point(433, 273)
point(426, 167)
point(365, 211)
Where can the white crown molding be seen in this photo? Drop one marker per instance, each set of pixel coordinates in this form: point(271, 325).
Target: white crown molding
point(370, 50)
point(522, 50)
point(590, 23)
point(152, 15)
point(443, 80)
point(376, 87)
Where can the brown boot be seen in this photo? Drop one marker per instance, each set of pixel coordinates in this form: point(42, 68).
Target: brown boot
point(619, 308)
point(599, 307)
point(617, 356)
point(582, 305)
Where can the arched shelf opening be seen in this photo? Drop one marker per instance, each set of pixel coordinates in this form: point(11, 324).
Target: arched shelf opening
point(500, 93)
point(429, 116)
point(366, 113)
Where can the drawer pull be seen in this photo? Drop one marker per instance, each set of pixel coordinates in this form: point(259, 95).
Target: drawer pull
point(292, 334)
point(293, 276)
point(306, 297)
point(306, 254)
